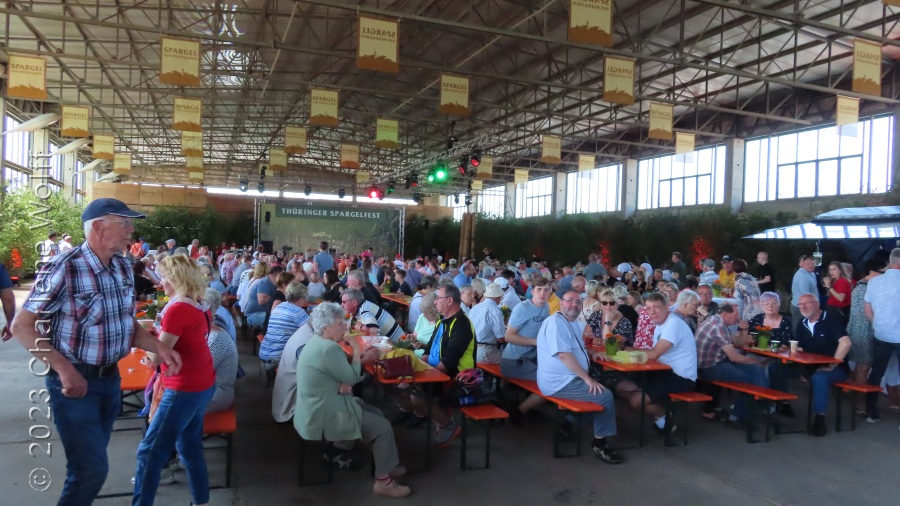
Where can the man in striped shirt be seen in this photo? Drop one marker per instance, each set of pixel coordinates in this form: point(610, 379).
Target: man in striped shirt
point(370, 318)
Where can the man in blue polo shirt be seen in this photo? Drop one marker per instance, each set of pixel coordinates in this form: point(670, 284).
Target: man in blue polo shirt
point(465, 275)
point(323, 260)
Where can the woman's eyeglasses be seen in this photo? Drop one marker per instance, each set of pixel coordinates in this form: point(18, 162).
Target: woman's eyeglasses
point(608, 303)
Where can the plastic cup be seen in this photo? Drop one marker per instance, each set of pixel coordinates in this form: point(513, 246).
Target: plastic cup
point(794, 346)
point(776, 345)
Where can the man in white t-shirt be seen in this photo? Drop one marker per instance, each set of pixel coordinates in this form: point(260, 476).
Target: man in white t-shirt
point(562, 371)
point(673, 345)
point(883, 310)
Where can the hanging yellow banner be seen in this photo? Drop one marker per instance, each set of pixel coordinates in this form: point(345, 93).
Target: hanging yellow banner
point(75, 121)
point(277, 160)
point(187, 115)
point(378, 45)
point(294, 140)
point(847, 111)
point(194, 167)
point(192, 144)
point(866, 67)
point(104, 147)
point(521, 176)
point(684, 143)
point(27, 77)
point(894, 3)
point(362, 176)
point(485, 168)
point(660, 121)
point(387, 134)
point(586, 163)
point(590, 22)
point(122, 163)
point(477, 185)
point(551, 150)
point(180, 62)
point(323, 107)
point(454, 95)
point(618, 80)
point(350, 156)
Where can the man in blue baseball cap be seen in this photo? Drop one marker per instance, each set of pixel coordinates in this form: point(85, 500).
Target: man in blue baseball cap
point(87, 296)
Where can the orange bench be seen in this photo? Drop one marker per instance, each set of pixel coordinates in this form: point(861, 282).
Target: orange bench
point(561, 405)
point(222, 424)
point(844, 387)
point(481, 413)
point(755, 394)
point(683, 398)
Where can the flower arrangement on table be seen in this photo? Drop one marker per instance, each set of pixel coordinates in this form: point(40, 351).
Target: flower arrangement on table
point(153, 308)
point(763, 336)
point(613, 343)
point(506, 312)
point(716, 288)
point(405, 343)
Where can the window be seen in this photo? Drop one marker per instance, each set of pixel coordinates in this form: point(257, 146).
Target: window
point(594, 191)
point(458, 203)
point(15, 179)
point(17, 144)
point(534, 198)
point(820, 163)
point(492, 201)
point(682, 180)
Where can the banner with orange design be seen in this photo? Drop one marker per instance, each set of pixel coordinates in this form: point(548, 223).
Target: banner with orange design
point(294, 140)
point(551, 149)
point(27, 77)
point(454, 95)
point(866, 67)
point(104, 147)
point(75, 120)
point(350, 156)
point(387, 134)
point(378, 44)
point(618, 80)
point(277, 160)
point(323, 107)
point(590, 22)
point(122, 163)
point(187, 115)
point(180, 62)
point(192, 144)
point(661, 121)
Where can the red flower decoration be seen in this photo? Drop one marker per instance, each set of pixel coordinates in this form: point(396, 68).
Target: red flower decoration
point(16, 259)
point(700, 249)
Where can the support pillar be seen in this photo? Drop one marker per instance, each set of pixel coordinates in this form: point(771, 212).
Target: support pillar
point(895, 155)
point(629, 190)
point(560, 181)
point(509, 205)
point(734, 175)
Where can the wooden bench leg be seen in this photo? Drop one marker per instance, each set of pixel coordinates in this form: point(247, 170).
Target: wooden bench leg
point(462, 442)
point(838, 403)
point(229, 459)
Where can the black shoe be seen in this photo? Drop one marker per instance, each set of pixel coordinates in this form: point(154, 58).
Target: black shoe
point(566, 430)
point(785, 410)
point(402, 418)
point(607, 455)
point(670, 428)
point(415, 422)
point(342, 460)
point(818, 428)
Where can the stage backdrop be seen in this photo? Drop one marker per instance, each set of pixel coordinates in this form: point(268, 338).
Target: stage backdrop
point(347, 229)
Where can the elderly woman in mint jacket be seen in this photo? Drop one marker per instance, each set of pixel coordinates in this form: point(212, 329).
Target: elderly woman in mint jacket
point(325, 403)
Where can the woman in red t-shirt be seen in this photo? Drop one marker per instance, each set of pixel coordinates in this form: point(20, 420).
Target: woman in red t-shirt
point(178, 422)
point(839, 289)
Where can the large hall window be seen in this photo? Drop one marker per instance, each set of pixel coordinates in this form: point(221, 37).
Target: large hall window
point(820, 163)
point(682, 180)
point(534, 198)
point(458, 203)
point(492, 201)
point(594, 191)
point(16, 145)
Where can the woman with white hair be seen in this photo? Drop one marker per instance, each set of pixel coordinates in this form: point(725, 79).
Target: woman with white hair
point(591, 288)
point(225, 357)
point(426, 322)
point(326, 407)
point(782, 328)
point(686, 305)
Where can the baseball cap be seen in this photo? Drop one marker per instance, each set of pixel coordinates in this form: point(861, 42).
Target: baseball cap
point(709, 262)
point(452, 261)
point(502, 283)
point(493, 290)
point(102, 207)
point(727, 258)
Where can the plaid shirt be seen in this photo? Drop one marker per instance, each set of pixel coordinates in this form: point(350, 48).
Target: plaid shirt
point(487, 319)
point(711, 337)
point(90, 307)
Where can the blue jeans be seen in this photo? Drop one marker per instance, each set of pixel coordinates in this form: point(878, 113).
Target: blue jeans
point(85, 425)
point(820, 382)
point(727, 370)
point(604, 421)
point(882, 351)
point(178, 424)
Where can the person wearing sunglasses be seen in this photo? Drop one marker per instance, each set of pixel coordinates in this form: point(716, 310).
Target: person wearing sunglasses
point(608, 320)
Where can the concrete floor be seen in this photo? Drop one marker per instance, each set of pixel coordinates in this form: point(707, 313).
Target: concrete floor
point(717, 467)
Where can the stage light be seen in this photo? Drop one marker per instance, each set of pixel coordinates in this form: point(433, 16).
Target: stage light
point(261, 186)
point(244, 184)
point(390, 188)
point(416, 198)
point(408, 182)
point(475, 159)
point(307, 190)
point(456, 199)
point(341, 192)
point(373, 192)
point(463, 165)
point(468, 200)
point(414, 182)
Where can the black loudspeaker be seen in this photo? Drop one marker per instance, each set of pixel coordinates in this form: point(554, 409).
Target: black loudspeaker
point(427, 222)
point(268, 216)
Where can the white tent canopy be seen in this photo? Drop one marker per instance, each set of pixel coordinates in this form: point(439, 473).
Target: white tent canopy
point(848, 223)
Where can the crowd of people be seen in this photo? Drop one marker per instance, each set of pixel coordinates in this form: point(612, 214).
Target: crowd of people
point(538, 323)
